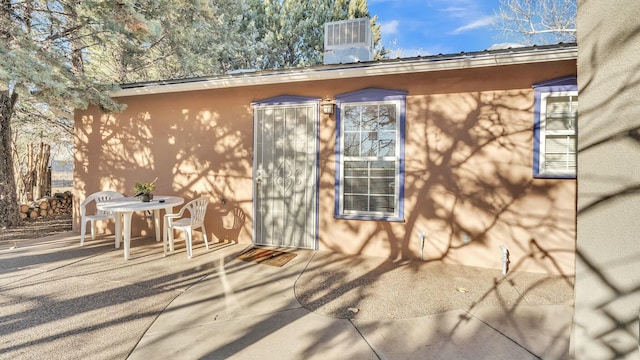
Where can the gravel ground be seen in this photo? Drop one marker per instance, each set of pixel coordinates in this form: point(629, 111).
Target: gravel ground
point(36, 228)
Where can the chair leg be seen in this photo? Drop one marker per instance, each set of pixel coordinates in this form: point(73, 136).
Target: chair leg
point(93, 230)
point(83, 229)
point(164, 240)
point(204, 235)
point(170, 230)
point(187, 235)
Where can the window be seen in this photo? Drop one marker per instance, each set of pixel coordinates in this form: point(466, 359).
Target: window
point(370, 153)
point(555, 128)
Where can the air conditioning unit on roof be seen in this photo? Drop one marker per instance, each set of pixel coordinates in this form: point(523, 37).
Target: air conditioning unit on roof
point(348, 41)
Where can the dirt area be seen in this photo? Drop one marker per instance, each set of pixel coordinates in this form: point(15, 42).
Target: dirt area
point(36, 228)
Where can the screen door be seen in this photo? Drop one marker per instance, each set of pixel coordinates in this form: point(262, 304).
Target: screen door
point(285, 175)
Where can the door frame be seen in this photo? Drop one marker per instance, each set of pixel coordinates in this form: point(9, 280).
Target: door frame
point(284, 101)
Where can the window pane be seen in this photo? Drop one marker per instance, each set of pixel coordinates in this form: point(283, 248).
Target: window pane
point(382, 186)
point(351, 144)
point(556, 131)
point(383, 168)
point(560, 162)
point(387, 118)
point(352, 116)
point(558, 104)
point(561, 112)
point(560, 122)
point(373, 126)
point(382, 204)
point(560, 144)
point(364, 182)
point(356, 185)
point(369, 118)
point(386, 144)
point(370, 157)
point(369, 148)
point(356, 168)
point(560, 153)
point(356, 203)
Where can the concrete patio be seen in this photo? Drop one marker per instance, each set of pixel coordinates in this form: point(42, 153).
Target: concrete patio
point(63, 301)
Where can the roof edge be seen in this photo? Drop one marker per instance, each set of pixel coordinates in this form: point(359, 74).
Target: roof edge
point(481, 59)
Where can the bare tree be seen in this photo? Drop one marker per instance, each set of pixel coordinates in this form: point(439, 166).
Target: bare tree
point(537, 21)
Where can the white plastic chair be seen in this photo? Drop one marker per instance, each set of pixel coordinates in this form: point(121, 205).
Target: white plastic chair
point(99, 215)
point(197, 209)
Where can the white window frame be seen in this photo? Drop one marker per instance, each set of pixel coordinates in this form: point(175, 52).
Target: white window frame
point(556, 88)
point(398, 158)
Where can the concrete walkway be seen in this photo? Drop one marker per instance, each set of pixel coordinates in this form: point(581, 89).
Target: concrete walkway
point(61, 301)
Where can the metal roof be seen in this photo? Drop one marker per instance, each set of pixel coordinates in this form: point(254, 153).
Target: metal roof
point(440, 62)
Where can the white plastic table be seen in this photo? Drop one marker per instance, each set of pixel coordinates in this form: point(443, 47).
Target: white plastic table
point(124, 208)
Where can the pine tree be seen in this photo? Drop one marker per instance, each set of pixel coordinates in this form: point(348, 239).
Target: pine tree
point(42, 69)
point(64, 55)
point(292, 31)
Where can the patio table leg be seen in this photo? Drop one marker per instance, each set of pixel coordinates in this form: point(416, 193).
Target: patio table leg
point(156, 222)
point(118, 229)
point(165, 229)
point(127, 233)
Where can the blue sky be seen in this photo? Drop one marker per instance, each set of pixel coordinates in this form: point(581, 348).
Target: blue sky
point(428, 27)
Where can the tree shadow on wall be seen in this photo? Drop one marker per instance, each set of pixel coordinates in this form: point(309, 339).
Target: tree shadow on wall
point(471, 180)
point(192, 152)
point(467, 172)
point(469, 187)
point(229, 220)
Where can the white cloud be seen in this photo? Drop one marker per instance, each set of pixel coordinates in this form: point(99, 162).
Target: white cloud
point(404, 53)
point(389, 27)
point(482, 22)
point(455, 12)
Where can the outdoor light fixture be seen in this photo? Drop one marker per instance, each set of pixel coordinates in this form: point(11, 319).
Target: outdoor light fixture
point(328, 106)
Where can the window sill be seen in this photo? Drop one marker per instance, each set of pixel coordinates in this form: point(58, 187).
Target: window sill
point(368, 218)
point(554, 176)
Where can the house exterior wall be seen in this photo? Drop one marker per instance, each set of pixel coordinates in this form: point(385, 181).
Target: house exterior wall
point(468, 165)
point(607, 290)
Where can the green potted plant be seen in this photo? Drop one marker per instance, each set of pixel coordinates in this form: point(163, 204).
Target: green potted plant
point(144, 190)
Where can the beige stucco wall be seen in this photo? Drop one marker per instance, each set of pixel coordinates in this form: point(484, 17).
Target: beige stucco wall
point(607, 287)
point(469, 142)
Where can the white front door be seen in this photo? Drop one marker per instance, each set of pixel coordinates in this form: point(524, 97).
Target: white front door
point(285, 175)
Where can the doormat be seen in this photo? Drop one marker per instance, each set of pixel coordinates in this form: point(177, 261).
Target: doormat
point(267, 257)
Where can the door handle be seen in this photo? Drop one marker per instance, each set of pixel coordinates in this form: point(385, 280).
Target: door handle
point(259, 177)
